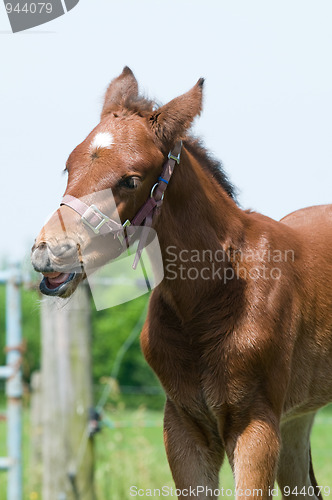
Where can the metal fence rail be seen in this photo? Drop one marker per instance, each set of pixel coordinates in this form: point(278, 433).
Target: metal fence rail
point(13, 376)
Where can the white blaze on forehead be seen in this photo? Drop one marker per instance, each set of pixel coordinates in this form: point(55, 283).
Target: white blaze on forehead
point(102, 140)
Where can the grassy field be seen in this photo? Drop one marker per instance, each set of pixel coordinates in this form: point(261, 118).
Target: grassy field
point(131, 453)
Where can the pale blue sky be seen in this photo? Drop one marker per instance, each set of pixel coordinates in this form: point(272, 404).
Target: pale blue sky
point(268, 95)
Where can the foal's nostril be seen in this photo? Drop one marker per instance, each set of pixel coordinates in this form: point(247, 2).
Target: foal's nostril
point(40, 258)
point(68, 248)
point(65, 250)
point(40, 246)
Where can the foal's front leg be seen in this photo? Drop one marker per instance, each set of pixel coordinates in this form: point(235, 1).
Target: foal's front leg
point(253, 453)
point(194, 454)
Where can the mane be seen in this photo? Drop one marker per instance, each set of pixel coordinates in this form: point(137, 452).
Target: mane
point(215, 167)
point(139, 105)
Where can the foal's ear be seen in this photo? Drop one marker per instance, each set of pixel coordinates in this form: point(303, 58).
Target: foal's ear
point(119, 90)
point(172, 120)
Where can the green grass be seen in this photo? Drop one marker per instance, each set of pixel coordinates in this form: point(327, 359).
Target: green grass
point(131, 453)
point(135, 455)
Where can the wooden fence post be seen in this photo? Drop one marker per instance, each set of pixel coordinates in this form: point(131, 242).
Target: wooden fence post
point(66, 398)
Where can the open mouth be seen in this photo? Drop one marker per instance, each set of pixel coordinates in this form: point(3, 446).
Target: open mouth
point(56, 283)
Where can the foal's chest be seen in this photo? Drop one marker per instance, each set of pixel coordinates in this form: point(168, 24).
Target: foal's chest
point(184, 367)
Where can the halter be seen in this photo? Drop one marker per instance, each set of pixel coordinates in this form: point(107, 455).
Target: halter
point(101, 224)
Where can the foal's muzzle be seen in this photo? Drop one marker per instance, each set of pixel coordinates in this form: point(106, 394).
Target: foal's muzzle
point(48, 258)
point(59, 264)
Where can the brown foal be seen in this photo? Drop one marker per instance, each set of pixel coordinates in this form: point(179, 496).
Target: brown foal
point(239, 332)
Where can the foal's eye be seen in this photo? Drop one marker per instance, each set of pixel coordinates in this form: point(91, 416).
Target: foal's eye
point(130, 182)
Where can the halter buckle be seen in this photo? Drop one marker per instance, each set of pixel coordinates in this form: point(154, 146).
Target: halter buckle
point(173, 157)
point(90, 211)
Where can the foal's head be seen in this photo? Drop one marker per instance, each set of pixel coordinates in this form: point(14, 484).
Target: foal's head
point(123, 154)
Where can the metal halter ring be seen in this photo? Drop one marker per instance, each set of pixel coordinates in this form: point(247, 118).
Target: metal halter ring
point(152, 191)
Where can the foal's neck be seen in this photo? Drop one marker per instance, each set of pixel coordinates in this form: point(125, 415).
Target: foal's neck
point(197, 223)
